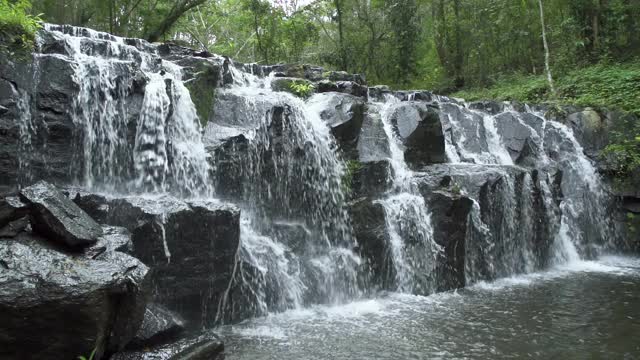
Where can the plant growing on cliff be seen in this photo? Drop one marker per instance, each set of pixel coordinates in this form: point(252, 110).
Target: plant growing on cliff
point(301, 89)
point(91, 356)
point(351, 168)
point(17, 27)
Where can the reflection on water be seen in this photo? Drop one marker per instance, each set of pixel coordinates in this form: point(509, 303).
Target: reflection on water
point(578, 311)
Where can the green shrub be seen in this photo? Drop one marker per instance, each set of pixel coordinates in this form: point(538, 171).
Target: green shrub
point(17, 27)
point(608, 85)
point(301, 88)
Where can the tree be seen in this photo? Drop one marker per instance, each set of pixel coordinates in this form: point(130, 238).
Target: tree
point(547, 66)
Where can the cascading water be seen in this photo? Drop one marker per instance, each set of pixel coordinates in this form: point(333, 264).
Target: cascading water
point(527, 139)
point(296, 238)
point(166, 154)
point(413, 250)
point(140, 130)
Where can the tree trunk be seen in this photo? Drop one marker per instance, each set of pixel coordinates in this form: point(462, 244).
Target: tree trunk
point(176, 12)
point(547, 60)
point(458, 60)
point(343, 54)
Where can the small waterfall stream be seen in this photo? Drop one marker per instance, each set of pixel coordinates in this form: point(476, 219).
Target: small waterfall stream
point(582, 193)
point(413, 250)
point(296, 237)
point(167, 153)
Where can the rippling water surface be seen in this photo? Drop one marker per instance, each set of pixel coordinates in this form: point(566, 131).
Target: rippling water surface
point(586, 310)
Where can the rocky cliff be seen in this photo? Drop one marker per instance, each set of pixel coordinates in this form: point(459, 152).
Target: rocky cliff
point(233, 197)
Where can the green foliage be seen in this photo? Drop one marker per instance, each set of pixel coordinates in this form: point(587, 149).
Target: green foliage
point(93, 353)
point(440, 45)
point(17, 27)
point(623, 155)
point(604, 85)
point(351, 168)
point(301, 89)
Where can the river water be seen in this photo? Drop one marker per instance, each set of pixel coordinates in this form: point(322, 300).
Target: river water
point(584, 310)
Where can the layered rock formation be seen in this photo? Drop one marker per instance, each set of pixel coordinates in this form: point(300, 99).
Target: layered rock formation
point(203, 188)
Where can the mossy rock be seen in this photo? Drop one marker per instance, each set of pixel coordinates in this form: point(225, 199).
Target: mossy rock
point(202, 88)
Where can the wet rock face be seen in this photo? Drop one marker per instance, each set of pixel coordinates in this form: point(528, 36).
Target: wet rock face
point(490, 107)
point(11, 209)
point(56, 217)
point(190, 246)
point(48, 314)
point(420, 129)
point(450, 213)
point(373, 143)
point(369, 226)
point(201, 347)
point(344, 114)
point(159, 326)
point(517, 136)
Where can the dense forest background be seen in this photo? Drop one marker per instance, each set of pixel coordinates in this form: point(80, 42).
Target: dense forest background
point(475, 49)
point(436, 44)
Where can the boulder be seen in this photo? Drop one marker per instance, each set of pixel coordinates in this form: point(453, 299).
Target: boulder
point(370, 230)
point(191, 247)
point(372, 179)
point(56, 305)
point(419, 127)
point(490, 107)
point(378, 92)
point(56, 217)
point(11, 209)
point(344, 114)
point(113, 238)
point(202, 347)
point(15, 227)
point(518, 133)
point(449, 216)
point(345, 87)
point(373, 142)
point(159, 326)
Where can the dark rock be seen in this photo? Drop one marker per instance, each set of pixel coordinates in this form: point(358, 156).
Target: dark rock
point(344, 76)
point(369, 227)
point(372, 179)
point(295, 235)
point(14, 228)
point(469, 134)
point(490, 107)
point(159, 326)
point(113, 238)
point(344, 114)
point(11, 209)
point(191, 276)
point(377, 93)
point(345, 87)
point(516, 132)
point(449, 216)
point(631, 204)
point(420, 129)
point(56, 217)
point(57, 306)
point(202, 347)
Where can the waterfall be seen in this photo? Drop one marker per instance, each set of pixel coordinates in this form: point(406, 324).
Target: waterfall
point(503, 240)
point(525, 195)
point(296, 237)
point(167, 154)
point(413, 249)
